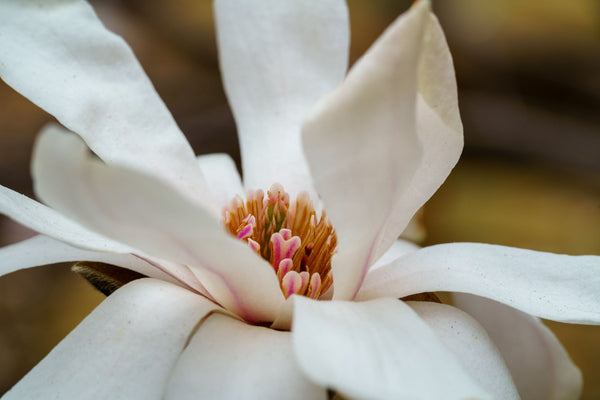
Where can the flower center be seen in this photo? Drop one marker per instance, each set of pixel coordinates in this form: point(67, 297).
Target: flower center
point(287, 235)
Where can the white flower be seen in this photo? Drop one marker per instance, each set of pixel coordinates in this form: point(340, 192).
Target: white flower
point(377, 142)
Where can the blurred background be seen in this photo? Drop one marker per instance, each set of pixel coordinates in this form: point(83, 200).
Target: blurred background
point(529, 87)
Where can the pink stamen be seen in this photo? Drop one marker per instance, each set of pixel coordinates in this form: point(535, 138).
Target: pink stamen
point(283, 268)
point(254, 245)
point(282, 247)
point(286, 233)
point(315, 286)
point(247, 230)
point(291, 284)
point(305, 277)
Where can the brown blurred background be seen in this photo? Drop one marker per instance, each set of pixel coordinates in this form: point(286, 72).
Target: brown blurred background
point(529, 81)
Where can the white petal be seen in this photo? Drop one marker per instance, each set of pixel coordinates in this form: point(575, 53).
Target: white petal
point(471, 345)
point(540, 366)
point(125, 349)
point(278, 57)
point(42, 250)
point(362, 145)
point(147, 214)
point(49, 222)
point(222, 177)
point(439, 129)
point(228, 359)
point(60, 56)
point(376, 350)
point(398, 249)
point(553, 286)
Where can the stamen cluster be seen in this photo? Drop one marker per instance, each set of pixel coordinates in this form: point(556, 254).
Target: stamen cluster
point(287, 235)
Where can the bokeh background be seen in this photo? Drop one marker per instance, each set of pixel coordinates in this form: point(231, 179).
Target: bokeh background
point(529, 82)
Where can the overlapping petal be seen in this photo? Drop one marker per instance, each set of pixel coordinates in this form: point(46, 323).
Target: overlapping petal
point(398, 249)
point(49, 222)
point(377, 350)
point(227, 359)
point(439, 129)
point(148, 214)
point(222, 178)
point(43, 250)
point(540, 366)
point(471, 345)
point(553, 286)
point(278, 57)
point(58, 54)
point(362, 145)
point(125, 349)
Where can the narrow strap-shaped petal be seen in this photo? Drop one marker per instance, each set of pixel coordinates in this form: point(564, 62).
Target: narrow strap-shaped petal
point(553, 286)
point(222, 178)
point(125, 349)
point(148, 214)
point(362, 145)
point(228, 359)
point(49, 222)
point(42, 250)
point(278, 57)
point(540, 365)
point(58, 54)
point(379, 349)
point(439, 129)
point(471, 345)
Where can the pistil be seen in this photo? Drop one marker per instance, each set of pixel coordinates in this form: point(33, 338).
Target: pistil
point(296, 243)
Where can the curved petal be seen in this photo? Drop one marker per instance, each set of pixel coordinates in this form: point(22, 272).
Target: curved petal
point(124, 349)
point(42, 250)
point(379, 349)
point(49, 222)
point(222, 178)
point(553, 286)
point(228, 359)
point(471, 345)
point(540, 366)
point(439, 128)
point(144, 212)
point(58, 54)
point(398, 249)
point(362, 145)
point(278, 57)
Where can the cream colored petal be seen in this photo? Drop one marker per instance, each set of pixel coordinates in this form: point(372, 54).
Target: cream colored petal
point(278, 57)
point(125, 349)
point(439, 129)
point(379, 349)
point(43, 250)
point(222, 178)
point(228, 359)
point(49, 222)
point(471, 345)
point(58, 54)
point(148, 214)
point(363, 147)
point(398, 249)
point(540, 365)
point(553, 286)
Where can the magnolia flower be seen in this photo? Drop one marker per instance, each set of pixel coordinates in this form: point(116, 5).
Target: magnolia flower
point(293, 291)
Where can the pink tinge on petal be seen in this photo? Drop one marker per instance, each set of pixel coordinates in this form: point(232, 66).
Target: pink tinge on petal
point(291, 284)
